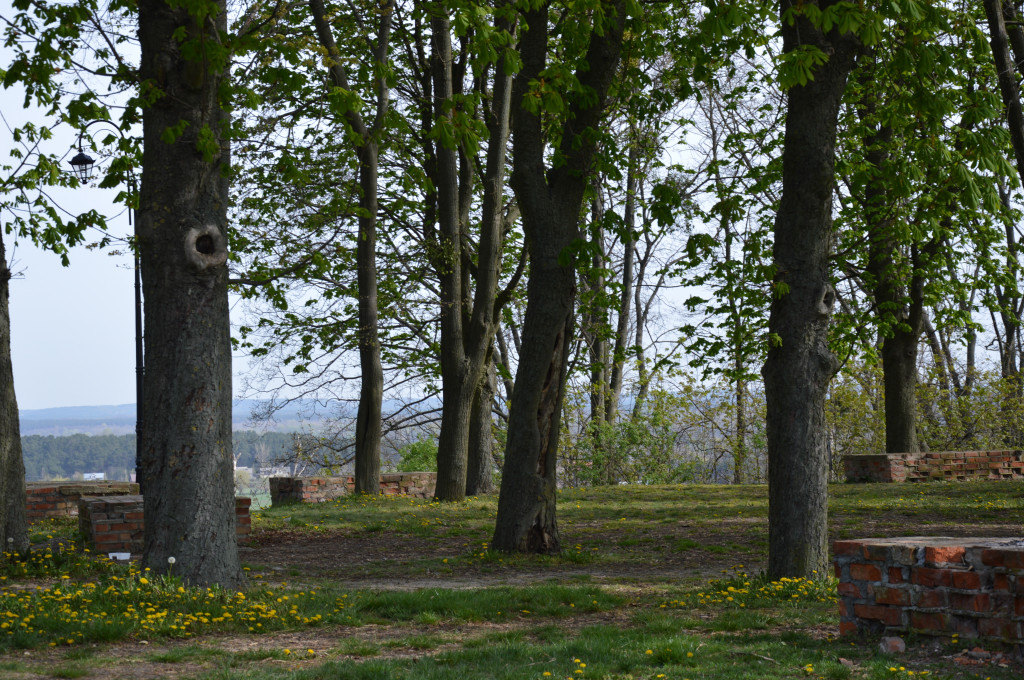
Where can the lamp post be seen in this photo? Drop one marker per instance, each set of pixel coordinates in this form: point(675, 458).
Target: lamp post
point(82, 165)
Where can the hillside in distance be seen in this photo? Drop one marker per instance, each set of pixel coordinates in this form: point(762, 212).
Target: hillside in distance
point(120, 419)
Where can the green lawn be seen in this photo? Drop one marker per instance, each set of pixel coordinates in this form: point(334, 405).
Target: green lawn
point(654, 582)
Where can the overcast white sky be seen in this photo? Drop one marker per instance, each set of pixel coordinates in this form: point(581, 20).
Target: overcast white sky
point(72, 329)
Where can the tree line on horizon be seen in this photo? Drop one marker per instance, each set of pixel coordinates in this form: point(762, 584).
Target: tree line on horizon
point(541, 212)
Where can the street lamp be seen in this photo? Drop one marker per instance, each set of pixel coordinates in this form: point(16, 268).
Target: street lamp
point(82, 165)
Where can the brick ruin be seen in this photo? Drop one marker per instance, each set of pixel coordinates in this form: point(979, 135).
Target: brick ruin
point(939, 465)
point(60, 499)
point(321, 489)
point(114, 523)
point(973, 587)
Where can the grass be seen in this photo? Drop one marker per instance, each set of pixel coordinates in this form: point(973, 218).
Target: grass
point(653, 582)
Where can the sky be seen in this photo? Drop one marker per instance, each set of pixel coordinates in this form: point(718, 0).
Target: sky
point(72, 328)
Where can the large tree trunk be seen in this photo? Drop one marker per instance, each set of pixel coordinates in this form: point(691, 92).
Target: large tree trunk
point(371, 388)
point(550, 201)
point(457, 379)
point(900, 322)
point(479, 479)
point(13, 523)
point(799, 363)
point(526, 503)
point(1006, 72)
point(899, 371)
point(182, 230)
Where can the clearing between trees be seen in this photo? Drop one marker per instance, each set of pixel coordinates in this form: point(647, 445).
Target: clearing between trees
point(654, 582)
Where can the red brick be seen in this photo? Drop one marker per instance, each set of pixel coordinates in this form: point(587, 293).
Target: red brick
point(928, 621)
point(1014, 559)
point(928, 599)
point(993, 557)
point(981, 602)
point(847, 628)
point(892, 596)
point(843, 611)
point(896, 575)
point(905, 555)
point(890, 616)
point(865, 572)
point(854, 548)
point(967, 580)
point(944, 555)
point(1018, 606)
point(849, 590)
point(1000, 628)
point(877, 553)
point(931, 578)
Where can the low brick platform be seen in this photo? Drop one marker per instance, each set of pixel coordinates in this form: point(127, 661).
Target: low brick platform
point(932, 586)
point(115, 523)
point(60, 499)
point(944, 465)
point(321, 489)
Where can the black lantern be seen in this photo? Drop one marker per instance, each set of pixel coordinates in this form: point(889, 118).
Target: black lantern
point(82, 164)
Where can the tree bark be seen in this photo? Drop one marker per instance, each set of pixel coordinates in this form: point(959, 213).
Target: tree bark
point(550, 201)
point(13, 521)
point(479, 479)
point(1005, 71)
point(182, 231)
point(371, 388)
point(799, 364)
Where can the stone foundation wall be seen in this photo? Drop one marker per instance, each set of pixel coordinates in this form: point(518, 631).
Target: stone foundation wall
point(932, 586)
point(945, 465)
point(60, 499)
point(115, 523)
point(321, 489)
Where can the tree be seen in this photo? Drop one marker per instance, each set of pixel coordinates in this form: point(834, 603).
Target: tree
point(368, 418)
point(13, 522)
point(468, 317)
point(922, 159)
point(799, 363)
point(550, 199)
point(182, 237)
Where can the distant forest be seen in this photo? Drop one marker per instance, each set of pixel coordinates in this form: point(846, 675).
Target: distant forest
point(50, 457)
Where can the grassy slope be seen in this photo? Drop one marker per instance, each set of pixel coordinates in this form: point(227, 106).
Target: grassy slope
point(655, 582)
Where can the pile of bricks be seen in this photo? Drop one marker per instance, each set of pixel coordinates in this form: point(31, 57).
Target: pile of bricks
point(943, 466)
point(115, 523)
point(932, 586)
point(321, 489)
point(60, 499)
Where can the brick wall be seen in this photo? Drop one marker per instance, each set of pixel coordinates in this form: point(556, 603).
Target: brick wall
point(320, 489)
point(932, 586)
point(60, 499)
point(115, 523)
point(944, 465)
